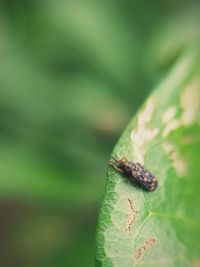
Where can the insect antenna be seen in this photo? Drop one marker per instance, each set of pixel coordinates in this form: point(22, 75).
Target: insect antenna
point(113, 163)
point(115, 159)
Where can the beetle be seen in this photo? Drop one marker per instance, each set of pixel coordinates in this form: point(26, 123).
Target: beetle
point(135, 172)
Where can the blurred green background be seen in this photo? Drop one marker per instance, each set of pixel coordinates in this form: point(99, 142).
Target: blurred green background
point(72, 74)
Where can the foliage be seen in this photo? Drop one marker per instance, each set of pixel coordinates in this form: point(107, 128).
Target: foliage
point(159, 228)
point(72, 73)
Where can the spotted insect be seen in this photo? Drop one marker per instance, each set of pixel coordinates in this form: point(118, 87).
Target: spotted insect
point(135, 172)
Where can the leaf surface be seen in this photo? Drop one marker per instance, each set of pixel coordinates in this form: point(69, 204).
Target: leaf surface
point(160, 228)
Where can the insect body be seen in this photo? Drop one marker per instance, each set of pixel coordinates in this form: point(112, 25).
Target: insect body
point(135, 172)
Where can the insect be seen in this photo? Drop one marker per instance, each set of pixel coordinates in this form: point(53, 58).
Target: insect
point(135, 172)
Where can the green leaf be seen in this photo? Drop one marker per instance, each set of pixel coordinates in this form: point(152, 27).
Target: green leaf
point(159, 228)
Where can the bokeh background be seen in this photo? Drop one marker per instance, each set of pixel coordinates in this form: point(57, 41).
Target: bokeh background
point(72, 75)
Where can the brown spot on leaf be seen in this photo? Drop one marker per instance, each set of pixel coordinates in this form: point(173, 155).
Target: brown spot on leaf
point(143, 134)
point(147, 245)
point(190, 99)
point(179, 163)
point(132, 216)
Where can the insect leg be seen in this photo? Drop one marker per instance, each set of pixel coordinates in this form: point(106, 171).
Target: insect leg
point(114, 166)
